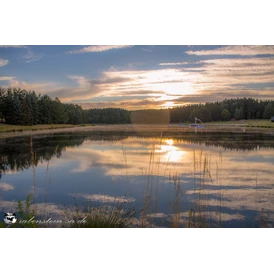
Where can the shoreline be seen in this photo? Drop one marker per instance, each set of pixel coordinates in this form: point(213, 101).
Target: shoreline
point(140, 129)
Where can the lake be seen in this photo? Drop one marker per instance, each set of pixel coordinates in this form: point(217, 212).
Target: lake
point(193, 180)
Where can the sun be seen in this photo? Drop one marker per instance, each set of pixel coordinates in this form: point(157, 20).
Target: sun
point(170, 142)
point(177, 89)
point(171, 153)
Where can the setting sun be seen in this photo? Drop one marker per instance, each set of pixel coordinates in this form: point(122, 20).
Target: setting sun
point(169, 142)
point(170, 153)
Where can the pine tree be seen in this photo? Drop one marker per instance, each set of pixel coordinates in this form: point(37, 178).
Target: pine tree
point(268, 111)
point(17, 111)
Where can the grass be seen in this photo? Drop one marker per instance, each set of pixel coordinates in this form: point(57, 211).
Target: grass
point(15, 128)
point(153, 130)
point(7, 131)
point(18, 128)
point(199, 214)
point(98, 216)
point(122, 215)
point(25, 213)
point(246, 123)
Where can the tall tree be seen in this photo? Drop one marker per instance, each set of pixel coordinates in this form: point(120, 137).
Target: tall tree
point(17, 111)
point(239, 114)
point(226, 115)
point(44, 105)
point(268, 111)
point(59, 115)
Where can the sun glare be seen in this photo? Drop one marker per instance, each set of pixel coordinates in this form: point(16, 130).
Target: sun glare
point(177, 89)
point(169, 142)
point(171, 153)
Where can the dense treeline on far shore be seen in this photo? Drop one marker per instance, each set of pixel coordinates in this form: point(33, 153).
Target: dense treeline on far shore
point(21, 107)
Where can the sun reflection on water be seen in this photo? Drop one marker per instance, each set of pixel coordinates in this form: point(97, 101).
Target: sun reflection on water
point(171, 153)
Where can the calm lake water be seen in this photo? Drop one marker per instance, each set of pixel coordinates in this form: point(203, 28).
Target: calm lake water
point(209, 179)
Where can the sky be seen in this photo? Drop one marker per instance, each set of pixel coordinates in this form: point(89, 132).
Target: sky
point(140, 77)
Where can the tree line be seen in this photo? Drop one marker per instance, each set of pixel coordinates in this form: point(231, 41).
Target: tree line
point(21, 107)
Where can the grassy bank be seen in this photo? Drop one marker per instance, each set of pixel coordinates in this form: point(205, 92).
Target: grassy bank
point(7, 131)
point(235, 126)
point(18, 128)
point(245, 123)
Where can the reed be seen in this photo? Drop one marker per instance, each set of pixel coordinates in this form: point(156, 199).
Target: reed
point(98, 216)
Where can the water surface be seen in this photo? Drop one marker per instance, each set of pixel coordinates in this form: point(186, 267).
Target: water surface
point(202, 179)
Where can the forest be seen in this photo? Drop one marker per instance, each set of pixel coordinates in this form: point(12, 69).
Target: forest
point(21, 107)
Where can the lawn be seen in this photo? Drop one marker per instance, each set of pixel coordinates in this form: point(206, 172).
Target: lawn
point(14, 128)
point(246, 123)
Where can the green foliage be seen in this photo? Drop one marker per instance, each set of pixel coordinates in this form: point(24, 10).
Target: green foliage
point(206, 115)
point(26, 218)
point(26, 214)
point(215, 111)
point(107, 116)
point(59, 115)
point(239, 114)
point(2, 225)
point(17, 111)
point(75, 114)
point(268, 111)
point(44, 106)
point(225, 115)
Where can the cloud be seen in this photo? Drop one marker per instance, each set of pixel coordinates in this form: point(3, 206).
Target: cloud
point(104, 198)
point(97, 49)
point(234, 71)
point(3, 62)
point(12, 46)
point(82, 81)
point(240, 63)
point(145, 49)
point(159, 81)
point(68, 94)
point(8, 206)
point(31, 56)
point(84, 90)
point(174, 64)
point(6, 187)
point(157, 215)
point(43, 88)
point(126, 92)
point(6, 78)
point(201, 81)
point(126, 104)
point(32, 60)
point(235, 50)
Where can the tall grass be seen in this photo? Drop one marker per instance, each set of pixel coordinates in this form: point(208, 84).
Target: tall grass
point(97, 216)
point(199, 214)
